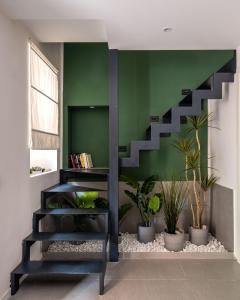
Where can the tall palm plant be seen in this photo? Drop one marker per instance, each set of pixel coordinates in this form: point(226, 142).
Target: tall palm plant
point(191, 149)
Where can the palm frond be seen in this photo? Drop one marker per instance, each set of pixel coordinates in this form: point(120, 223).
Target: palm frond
point(208, 182)
point(183, 145)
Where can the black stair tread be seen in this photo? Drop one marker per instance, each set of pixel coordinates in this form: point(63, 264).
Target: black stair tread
point(94, 171)
point(69, 188)
point(73, 236)
point(60, 267)
point(72, 211)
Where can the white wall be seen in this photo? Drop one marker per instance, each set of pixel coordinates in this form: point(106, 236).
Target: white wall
point(224, 145)
point(19, 194)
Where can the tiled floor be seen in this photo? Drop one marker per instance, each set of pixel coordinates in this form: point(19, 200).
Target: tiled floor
point(143, 280)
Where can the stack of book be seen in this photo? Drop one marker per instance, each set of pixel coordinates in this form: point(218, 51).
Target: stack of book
point(82, 160)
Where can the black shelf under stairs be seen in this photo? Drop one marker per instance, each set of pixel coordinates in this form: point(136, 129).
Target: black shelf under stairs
point(28, 267)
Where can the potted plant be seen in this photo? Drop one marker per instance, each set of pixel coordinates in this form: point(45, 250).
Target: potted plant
point(148, 204)
point(173, 201)
point(191, 149)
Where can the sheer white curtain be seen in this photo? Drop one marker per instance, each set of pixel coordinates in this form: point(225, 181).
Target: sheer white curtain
point(43, 102)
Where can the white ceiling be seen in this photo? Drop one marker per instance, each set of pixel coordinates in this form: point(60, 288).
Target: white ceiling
point(132, 24)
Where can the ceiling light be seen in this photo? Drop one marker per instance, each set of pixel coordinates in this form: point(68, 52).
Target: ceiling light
point(167, 29)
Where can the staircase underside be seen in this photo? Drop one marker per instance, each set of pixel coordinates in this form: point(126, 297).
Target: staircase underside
point(191, 105)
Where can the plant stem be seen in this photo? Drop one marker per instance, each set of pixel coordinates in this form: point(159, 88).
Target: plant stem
point(197, 200)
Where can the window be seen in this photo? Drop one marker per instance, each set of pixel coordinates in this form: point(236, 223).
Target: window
point(44, 108)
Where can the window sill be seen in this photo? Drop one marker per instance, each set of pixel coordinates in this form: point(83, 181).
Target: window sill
point(42, 173)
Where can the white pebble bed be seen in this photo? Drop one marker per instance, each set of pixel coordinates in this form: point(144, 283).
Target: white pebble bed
point(129, 244)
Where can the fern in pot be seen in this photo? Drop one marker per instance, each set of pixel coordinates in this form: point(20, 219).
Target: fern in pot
point(174, 194)
point(149, 205)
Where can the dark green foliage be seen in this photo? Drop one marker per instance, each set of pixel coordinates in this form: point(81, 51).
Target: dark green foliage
point(174, 194)
point(147, 203)
point(208, 181)
point(123, 210)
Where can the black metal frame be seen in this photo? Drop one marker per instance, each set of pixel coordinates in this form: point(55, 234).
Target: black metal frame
point(113, 153)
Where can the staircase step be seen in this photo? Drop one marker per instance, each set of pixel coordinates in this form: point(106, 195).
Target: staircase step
point(60, 267)
point(72, 211)
point(76, 236)
point(69, 188)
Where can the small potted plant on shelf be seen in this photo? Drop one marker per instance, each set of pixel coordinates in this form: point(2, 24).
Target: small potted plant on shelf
point(191, 150)
point(148, 204)
point(173, 201)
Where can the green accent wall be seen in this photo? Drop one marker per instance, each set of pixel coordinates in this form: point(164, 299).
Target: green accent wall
point(150, 82)
point(85, 84)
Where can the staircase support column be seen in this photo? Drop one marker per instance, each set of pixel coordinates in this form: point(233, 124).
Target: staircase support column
point(113, 153)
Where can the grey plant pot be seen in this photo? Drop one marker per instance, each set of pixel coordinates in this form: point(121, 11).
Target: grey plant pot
point(174, 242)
point(146, 234)
point(198, 236)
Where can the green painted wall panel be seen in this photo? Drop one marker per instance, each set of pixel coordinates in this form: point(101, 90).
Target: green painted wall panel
point(150, 82)
point(85, 83)
point(88, 132)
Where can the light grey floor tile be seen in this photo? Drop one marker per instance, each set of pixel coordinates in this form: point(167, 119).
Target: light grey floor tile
point(146, 269)
point(227, 270)
point(143, 280)
point(215, 289)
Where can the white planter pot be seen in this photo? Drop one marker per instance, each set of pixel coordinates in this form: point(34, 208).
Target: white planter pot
point(198, 236)
point(174, 242)
point(146, 234)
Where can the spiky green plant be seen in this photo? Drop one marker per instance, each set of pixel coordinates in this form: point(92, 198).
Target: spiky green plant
point(174, 194)
point(148, 204)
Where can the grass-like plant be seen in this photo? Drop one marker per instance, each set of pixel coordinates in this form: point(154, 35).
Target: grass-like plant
point(191, 149)
point(174, 194)
point(148, 204)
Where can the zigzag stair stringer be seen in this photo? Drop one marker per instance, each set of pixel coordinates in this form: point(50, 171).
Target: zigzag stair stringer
point(156, 129)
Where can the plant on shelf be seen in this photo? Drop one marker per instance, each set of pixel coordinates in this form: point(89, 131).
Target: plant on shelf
point(173, 194)
point(149, 205)
point(191, 149)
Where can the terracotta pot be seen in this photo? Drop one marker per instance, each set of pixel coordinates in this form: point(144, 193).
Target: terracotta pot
point(198, 236)
point(146, 234)
point(174, 242)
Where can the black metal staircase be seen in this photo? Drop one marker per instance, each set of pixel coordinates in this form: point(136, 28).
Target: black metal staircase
point(28, 266)
point(190, 105)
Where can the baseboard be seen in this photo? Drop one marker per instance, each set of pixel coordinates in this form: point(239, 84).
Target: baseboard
point(6, 295)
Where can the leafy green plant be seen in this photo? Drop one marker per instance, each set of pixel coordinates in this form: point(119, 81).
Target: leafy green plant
point(88, 200)
point(123, 210)
point(174, 194)
point(191, 149)
point(148, 204)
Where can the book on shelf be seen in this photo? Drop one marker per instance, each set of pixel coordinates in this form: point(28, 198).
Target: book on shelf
point(82, 160)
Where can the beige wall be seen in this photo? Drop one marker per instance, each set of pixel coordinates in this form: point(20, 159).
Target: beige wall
point(19, 194)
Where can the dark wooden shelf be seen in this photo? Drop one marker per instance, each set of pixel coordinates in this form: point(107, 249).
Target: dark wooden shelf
point(94, 171)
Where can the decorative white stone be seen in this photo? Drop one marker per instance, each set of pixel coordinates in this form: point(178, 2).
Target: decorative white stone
point(129, 243)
